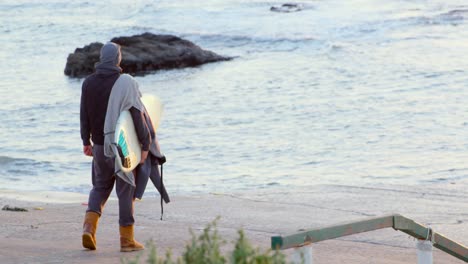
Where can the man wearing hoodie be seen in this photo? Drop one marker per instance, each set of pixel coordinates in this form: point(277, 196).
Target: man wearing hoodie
point(96, 91)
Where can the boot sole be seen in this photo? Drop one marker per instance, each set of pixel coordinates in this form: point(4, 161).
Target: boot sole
point(88, 241)
point(130, 249)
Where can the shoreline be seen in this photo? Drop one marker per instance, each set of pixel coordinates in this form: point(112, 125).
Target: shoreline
point(53, 234)
point(54, 197)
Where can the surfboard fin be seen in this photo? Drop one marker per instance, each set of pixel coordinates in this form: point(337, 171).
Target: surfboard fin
point(126, 161)
point(123, 150)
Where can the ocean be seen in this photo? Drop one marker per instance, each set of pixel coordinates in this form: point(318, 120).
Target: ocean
point(355, 92)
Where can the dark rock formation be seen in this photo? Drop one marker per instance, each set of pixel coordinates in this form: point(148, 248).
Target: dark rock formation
point(81, 62)
point(143, 54)
point(287, 8)
point(15, 209)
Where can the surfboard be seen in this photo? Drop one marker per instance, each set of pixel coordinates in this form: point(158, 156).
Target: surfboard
point(126, 137)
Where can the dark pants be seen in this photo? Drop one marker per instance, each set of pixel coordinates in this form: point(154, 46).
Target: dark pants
point(103, 183)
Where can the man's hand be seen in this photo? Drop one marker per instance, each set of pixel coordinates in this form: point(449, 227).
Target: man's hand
point(144, 155)
point(88, 150)
point(162, 160)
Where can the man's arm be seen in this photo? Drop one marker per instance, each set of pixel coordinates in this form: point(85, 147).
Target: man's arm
point(143, 132)
point(84, 123)
point(152, 132)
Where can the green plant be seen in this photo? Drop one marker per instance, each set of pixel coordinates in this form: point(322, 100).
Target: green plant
point(205, 249)
point(244, 253)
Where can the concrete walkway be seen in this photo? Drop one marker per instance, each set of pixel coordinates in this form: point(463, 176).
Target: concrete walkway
point(53, 234)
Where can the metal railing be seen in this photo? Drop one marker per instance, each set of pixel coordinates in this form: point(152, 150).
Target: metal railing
point(397, 222)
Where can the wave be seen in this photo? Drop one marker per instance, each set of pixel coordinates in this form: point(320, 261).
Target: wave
point(456, 14)
point(245, 37)
point(22, 166)
point(375, 28)
point(453, 17)
point(6, 160)
point(243, 40)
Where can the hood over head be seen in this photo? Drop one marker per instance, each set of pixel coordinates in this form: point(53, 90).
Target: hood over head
point(109, 59)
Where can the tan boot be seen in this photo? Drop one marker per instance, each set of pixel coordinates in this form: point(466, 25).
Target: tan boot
point(127, 242)
point(89, 230)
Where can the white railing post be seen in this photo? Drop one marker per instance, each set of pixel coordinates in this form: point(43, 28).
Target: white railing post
point(424, 248)
point(302, 255)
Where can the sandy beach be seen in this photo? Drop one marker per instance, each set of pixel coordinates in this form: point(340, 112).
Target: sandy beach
point(50, 232)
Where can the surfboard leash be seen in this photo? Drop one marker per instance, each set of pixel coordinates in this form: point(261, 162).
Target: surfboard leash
point(162, 193)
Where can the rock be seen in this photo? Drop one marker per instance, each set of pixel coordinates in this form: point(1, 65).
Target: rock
point(81, 62)
point(15, 209)
point(142, 54)
point(287, 8)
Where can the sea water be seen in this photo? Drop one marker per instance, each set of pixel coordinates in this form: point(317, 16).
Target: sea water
point(355, 92)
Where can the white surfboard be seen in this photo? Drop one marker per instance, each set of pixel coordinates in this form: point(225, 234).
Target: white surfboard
point(126, 137)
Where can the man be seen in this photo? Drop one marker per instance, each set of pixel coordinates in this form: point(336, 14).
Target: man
point(97, 89)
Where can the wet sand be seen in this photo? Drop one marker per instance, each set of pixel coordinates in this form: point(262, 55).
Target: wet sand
point(53, 234)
